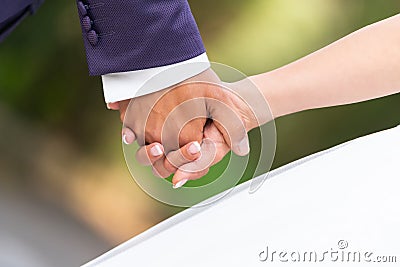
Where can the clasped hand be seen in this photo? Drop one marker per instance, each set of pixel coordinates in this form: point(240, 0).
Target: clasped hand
point(187, 128)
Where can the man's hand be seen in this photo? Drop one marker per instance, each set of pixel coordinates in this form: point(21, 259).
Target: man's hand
point(177, 116)
point(174, 120)
point(191, 161)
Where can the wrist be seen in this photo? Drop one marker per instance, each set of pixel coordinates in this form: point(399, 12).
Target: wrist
point(255, 105)
point(279, 91)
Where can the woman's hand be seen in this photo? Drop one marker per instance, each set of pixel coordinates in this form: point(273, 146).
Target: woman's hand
point(190, 162)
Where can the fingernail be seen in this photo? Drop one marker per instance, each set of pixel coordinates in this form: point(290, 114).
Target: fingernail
point(124, 140)
point(108, 106)
point(156, 151)
point(180, 183)
point(244, 146)
point(194, 148)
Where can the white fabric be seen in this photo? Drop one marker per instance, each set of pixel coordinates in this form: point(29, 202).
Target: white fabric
point(126, 85)
point(350, 193)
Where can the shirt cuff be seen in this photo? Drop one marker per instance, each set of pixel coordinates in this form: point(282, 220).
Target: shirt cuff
point(126, 85)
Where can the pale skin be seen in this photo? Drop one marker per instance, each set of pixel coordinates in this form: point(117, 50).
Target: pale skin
point(361, 66)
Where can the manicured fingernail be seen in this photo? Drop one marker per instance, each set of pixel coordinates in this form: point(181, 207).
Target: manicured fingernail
point(156, 151)
point(124, 140)
point(180, 183)
point(194, 148)
point(128, 137)
point(108, 106)
point(244, 146)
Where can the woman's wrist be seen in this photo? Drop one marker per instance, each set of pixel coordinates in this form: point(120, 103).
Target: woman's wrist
point(251, 102)
point(282, 91)
point(272, 92)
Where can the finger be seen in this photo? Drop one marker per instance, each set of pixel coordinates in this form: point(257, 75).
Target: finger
point(181, 177)
point(198, 168)
point(128, 136)
point(148, 155)
point(159, 170)
point(200, 163)
point(230, 124)
point(235, 136)
point(192, 131)
point(113, 106)
point(122, 107)
point(179, 130)
point(185, 154)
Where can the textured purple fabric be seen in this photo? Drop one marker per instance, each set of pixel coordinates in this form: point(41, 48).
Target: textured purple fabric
point(93, 37)
point(82, 9)
point(138, 34)
point(86, 24)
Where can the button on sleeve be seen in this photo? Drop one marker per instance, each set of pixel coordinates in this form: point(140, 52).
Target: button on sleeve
point(86, 23)
point(93, 37)
point(82, 8)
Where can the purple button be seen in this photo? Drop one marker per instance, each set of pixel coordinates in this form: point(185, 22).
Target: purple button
point(92, 37)
point(87, 23)
point(82, 9)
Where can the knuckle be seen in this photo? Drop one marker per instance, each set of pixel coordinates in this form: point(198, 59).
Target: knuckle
point(188, 157)
point(157, 173)
point(169, 166)
point(160, 173)
point(152, 135)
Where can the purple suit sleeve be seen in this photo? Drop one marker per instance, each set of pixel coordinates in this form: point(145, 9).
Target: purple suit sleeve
point(128, 35)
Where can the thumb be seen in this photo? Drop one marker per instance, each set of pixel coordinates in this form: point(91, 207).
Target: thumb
point(231, 126)
point(235, 137)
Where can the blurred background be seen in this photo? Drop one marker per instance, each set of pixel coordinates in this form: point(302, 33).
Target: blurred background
point(66, 195)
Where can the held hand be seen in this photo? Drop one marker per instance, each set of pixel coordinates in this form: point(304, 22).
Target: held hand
point(190, 162)
point(229, 115)
point(186, 166)
point(174, 117)
point(192, 170)
point(147, 115)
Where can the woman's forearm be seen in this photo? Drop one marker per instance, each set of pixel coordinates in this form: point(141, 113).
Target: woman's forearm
point(361, 66)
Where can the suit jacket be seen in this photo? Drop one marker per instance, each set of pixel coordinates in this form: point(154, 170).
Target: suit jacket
point(121, 35)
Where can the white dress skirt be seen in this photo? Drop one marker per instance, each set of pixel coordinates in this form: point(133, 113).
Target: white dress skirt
point(339, 208)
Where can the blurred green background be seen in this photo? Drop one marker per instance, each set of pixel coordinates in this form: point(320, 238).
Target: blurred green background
point(61, 148)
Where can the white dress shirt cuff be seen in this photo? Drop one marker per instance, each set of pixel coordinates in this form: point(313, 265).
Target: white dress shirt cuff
point(126, 85)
